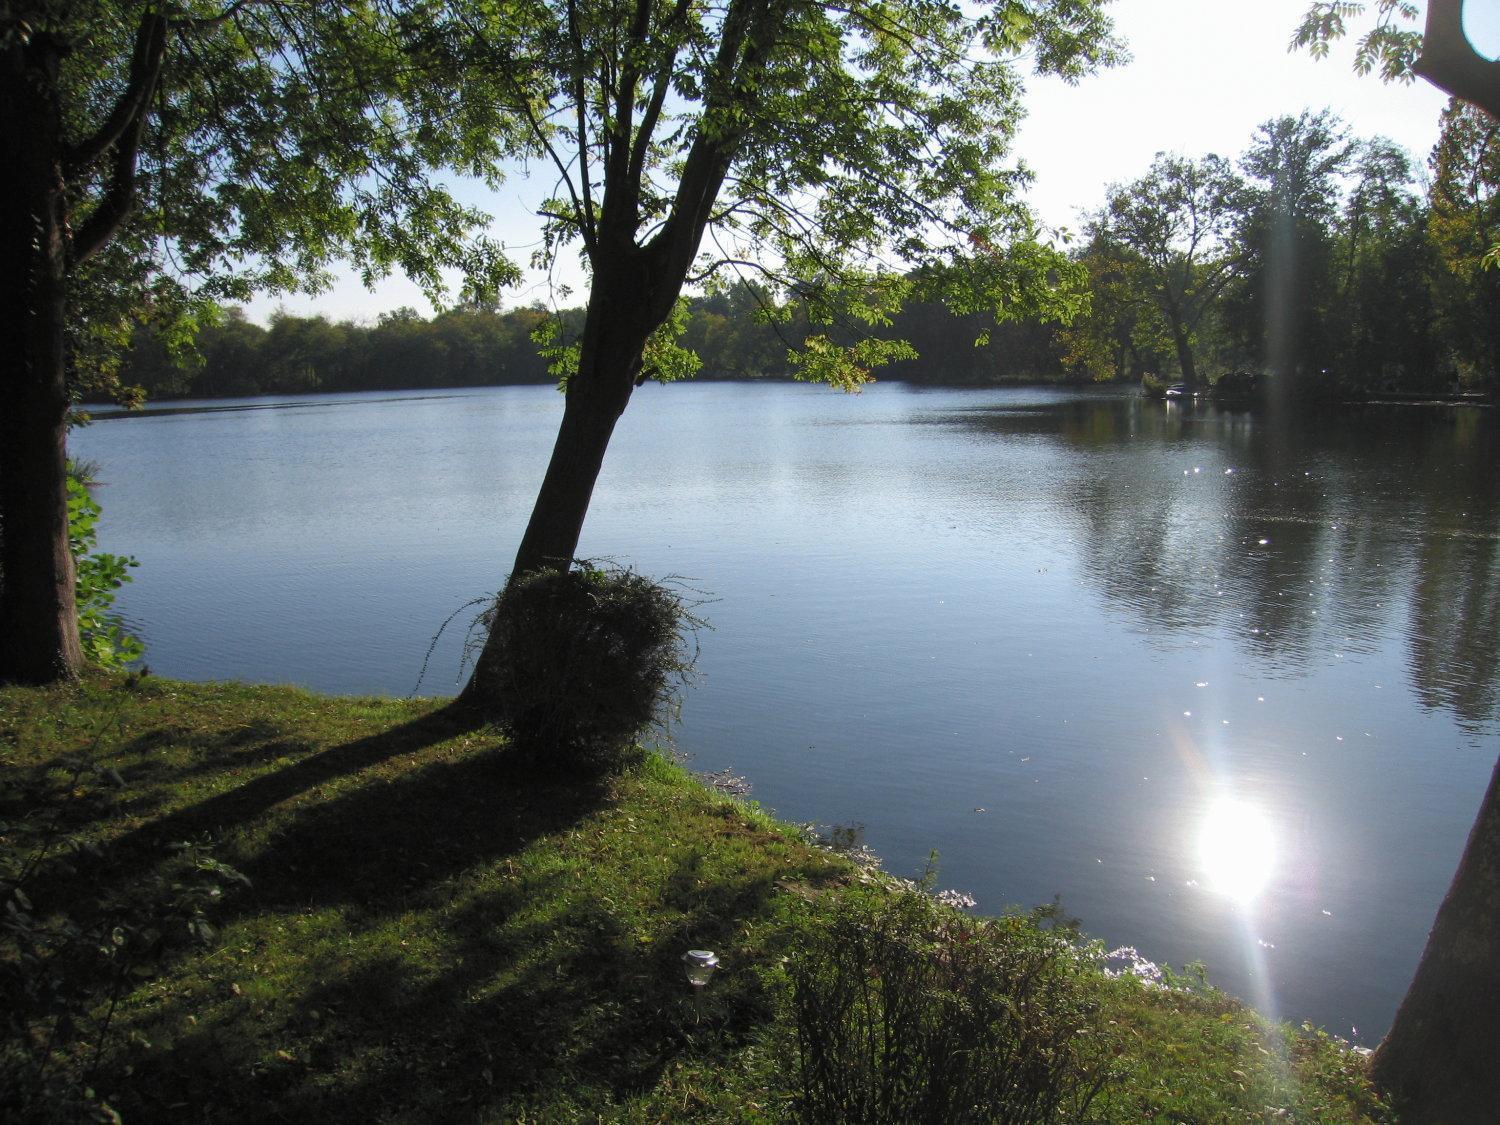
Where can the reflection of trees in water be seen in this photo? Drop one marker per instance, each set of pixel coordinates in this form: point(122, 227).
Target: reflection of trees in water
point(1361, 512)
point(1453, 638)
point(1455, 620)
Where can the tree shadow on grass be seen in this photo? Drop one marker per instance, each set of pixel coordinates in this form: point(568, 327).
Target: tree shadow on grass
point(135, 853)
point(530, 981)
point(385, 845)
point(501, 1032)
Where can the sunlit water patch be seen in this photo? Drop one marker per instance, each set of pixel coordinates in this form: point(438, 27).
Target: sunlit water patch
point(1237, 848)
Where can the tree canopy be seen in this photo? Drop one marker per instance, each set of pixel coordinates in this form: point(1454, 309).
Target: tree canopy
point(154, 157)
point(213, 150)
point(821, 149)
point(1170, 233)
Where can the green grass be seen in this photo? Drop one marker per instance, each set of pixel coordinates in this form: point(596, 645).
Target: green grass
point(430, 933)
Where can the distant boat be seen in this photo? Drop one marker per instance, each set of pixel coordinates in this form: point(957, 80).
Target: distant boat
point(1178, 390)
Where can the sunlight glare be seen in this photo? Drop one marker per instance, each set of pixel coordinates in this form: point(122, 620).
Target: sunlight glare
point(1237, 847)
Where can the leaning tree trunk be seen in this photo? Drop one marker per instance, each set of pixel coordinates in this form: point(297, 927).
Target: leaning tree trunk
point(633, 293)
point(615, 330)
point(1439, 1061)
point(38, 613)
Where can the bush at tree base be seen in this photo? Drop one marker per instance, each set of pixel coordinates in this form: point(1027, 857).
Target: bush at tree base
point(106, 643)
point(97, 575)
point(907, 1010)
point(589, 659)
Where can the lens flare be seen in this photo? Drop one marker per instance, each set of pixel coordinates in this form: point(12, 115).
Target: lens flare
point(1237, 847)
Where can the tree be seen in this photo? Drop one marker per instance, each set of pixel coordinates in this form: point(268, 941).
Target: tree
point(1437, 1061)
point(1464, 224)
point(156, 156)
point(1379, 320)
point(1169, 233)
point(1280, 310)
point(805, 143)
point(1122, 335)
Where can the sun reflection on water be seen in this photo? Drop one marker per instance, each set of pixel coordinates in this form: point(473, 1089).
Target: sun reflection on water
point(1237, 848)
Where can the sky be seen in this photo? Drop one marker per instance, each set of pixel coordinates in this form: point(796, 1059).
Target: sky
point(1203, 75)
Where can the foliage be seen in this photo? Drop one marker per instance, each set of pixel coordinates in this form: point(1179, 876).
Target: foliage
point(726, 331)
point(804, 146)
point(1168, 238)
point(1383, 324)
point(98, 575)
point(261, 160)
point(1393, 288)
point(1392, 44)
point(1464, 225)
point(907, 1010)
point(461, 347)
point(1280, 314)
point(588, 659)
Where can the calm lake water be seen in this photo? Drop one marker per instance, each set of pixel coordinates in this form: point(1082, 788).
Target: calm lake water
point(1225, 683)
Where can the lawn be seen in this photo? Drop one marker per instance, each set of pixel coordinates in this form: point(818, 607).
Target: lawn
point(237, 903)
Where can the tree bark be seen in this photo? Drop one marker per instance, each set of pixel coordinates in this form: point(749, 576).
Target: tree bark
point(1438, 1062)
point(38, 612)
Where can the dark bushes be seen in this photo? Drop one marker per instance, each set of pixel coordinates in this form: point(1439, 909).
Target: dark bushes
point(589, 658)
point(908, 1011)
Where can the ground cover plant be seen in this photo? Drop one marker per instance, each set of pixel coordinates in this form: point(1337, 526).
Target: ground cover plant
point(379, 915)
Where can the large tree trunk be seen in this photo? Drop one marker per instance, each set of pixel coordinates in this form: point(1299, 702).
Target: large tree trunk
point(1439, 1061)
point(38, 613)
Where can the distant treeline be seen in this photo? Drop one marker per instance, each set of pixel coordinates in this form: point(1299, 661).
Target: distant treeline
point(470, 347)
point(301, 355)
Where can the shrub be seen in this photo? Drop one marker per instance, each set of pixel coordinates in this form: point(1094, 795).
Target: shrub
point(97, 576)
point(588, 659)
point(907, 1010)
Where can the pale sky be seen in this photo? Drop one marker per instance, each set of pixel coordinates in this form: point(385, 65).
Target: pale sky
point(1204, 74)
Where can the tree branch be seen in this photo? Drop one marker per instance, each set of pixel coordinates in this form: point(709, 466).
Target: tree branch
point(124, 135)
point(130, 108)
point(658, 97)
point(587, 222)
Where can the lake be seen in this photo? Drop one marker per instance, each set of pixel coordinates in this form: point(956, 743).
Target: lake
point(1225, 683)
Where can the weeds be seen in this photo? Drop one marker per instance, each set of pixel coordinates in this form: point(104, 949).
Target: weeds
point(907, 1010)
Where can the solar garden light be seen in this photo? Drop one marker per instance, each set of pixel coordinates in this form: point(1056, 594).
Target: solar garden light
point(699, 965)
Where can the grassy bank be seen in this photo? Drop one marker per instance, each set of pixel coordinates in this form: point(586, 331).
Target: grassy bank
point(378, 917)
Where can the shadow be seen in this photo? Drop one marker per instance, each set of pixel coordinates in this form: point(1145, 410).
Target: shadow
point(371, 846)
point(137, 851)
point(538, 974)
